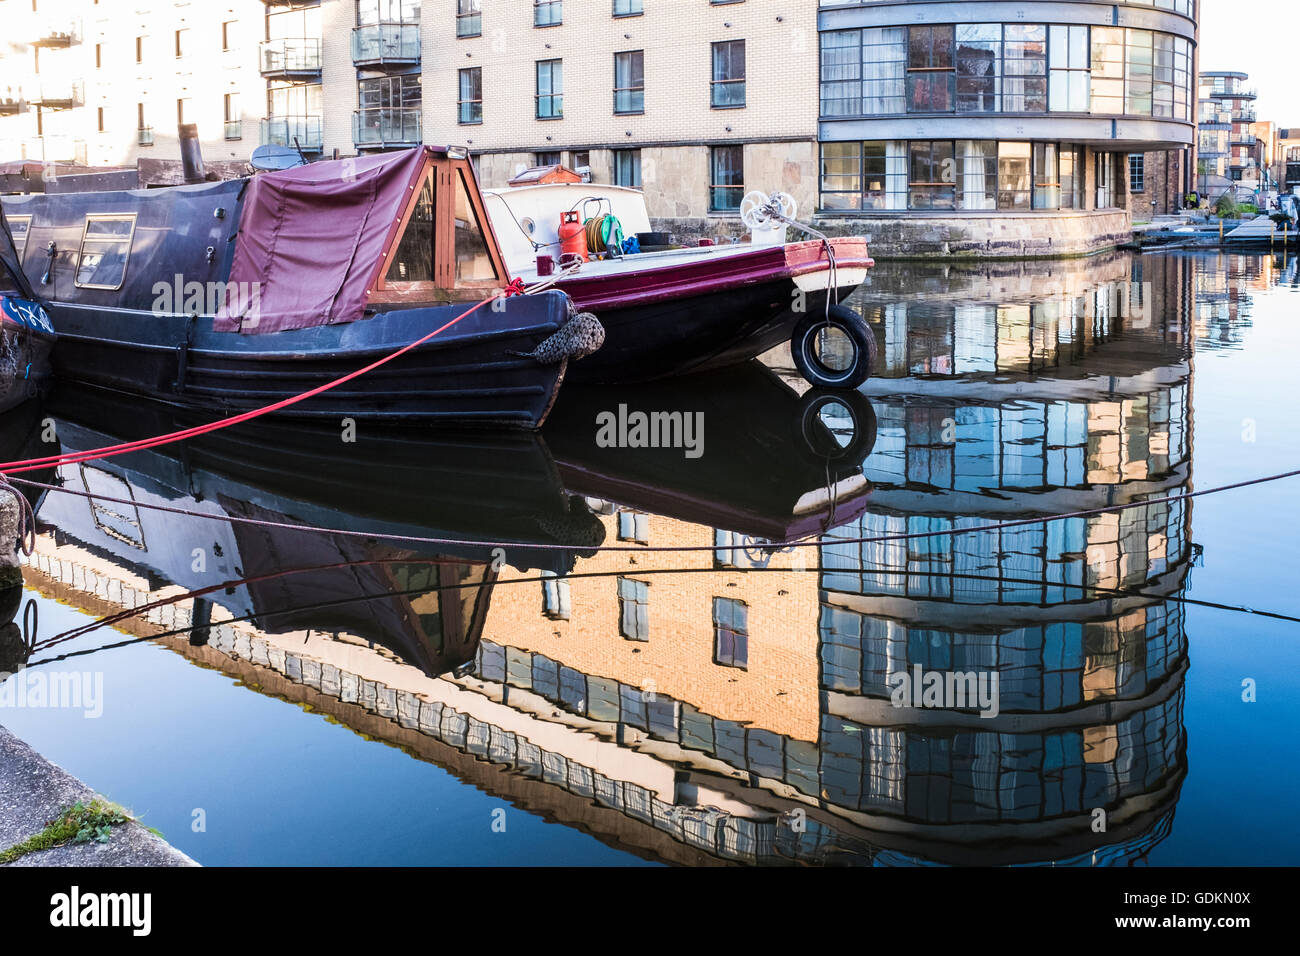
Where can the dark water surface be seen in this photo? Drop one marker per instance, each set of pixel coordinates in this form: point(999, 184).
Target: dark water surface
point(511, 694)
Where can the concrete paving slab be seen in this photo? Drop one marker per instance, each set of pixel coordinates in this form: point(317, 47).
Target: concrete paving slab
point(33, 791)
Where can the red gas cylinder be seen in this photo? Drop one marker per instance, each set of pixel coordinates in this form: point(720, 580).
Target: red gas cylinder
point(573, 236)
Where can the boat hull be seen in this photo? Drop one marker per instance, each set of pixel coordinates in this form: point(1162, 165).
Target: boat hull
point(468, 375)
point(707, 311)
point(26, 343)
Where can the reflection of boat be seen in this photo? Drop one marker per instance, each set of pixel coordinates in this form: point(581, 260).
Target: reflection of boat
point(500, 487)
point(674, 311)
point(237, 294)
point(768, 464)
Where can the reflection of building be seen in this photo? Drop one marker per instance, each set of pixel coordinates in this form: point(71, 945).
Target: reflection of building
point(1074, 616)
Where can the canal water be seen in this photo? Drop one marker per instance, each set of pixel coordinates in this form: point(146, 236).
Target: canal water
point(570, 649)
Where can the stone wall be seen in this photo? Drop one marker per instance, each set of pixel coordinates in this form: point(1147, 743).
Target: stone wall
point(987, 235)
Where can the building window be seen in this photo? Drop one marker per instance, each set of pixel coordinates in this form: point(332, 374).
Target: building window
point(931, 81)
point(629, 82)
point(1105, 180)
point(728, 86)
point(979, 65)
point(234, 127)
point(580, 162)
point(1139, 72)
point(548, 13)
point(1014, 177)
point(469, 18)
point(726, 178)
point(1047, 176)
point(556, 600)
point(1072, 178)
point(730, 633)
point(139, 49)
point(841, 175)
point(634, 526)
point(1137, 179)
point(627, 168)
point(628, 8)
point(551, 158)
point(1024, 69)
point(1068, 84)
point(550, 89)
point(99, 56)
point(100, 118)
point(228, 35)
point(932, 175)
point(182, 42)
point(470, 105)
point(183, 110)
point(105, 248)
point(977, 174)
point(1107, 82)
point(634, 609)
point(862, 71)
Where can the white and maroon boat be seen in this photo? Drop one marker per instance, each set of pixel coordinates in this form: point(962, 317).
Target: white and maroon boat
point(671, 311)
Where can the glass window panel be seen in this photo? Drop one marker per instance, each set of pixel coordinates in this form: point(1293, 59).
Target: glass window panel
point(413, 260)
point(1014, 176)
point(932, 175)
point(977, 174)
point(1024, 68)
point(979, 56)
point(472, 259)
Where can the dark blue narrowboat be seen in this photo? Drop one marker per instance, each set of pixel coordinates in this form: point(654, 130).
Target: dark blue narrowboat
point(229, 296)
point(26, 334)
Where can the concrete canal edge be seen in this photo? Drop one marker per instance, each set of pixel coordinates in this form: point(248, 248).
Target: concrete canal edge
point(34, 791)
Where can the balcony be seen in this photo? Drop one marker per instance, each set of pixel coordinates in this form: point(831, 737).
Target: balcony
point(386, 44)
point(10, 105)
point(60, 96)
point(291, 59)
point(234, 129)
point(144, 136)
point(387, 128)
point(1244, 139)
point(303, 131)
point(57, 35)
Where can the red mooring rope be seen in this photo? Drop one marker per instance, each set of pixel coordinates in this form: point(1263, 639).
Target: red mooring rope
point(516, 287)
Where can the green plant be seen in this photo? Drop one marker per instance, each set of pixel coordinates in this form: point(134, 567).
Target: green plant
point(1248, 209)
point(80, 823)
point(1225, 207)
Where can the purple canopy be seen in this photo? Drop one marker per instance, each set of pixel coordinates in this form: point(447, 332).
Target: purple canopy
point(312, 238)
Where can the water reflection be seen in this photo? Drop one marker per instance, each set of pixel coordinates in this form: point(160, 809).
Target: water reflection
point(733, 703)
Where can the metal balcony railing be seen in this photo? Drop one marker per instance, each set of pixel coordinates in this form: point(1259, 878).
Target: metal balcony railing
point(60, 96)
point(9, 105)
point(303, 131)
point(144, 136)
point(53, 35)
point(384, 44)
point(234, 129)
point(294, 57)
point(384, 128)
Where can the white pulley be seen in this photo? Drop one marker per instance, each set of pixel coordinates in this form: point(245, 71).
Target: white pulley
point(756, 209)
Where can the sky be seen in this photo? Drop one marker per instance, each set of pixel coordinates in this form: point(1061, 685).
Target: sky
point(1262, 38)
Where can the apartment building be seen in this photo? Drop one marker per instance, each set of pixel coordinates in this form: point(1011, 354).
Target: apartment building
point(1021, 135)
point(1229, 159)
point(1012, 124)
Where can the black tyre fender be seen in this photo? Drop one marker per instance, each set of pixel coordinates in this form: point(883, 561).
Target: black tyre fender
point(819, 441)
point(854, 327)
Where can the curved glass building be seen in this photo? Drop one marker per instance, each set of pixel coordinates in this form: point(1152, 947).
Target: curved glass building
point(986, 109)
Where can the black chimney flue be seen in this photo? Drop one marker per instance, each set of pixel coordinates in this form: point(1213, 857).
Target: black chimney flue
point(191, 154)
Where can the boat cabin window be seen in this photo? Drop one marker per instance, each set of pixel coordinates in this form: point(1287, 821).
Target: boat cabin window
point(413, 260)
point(18, 228)
point(472, 259)
point(105, 248)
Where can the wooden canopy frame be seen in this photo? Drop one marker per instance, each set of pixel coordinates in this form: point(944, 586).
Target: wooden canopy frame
point(445, 287)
